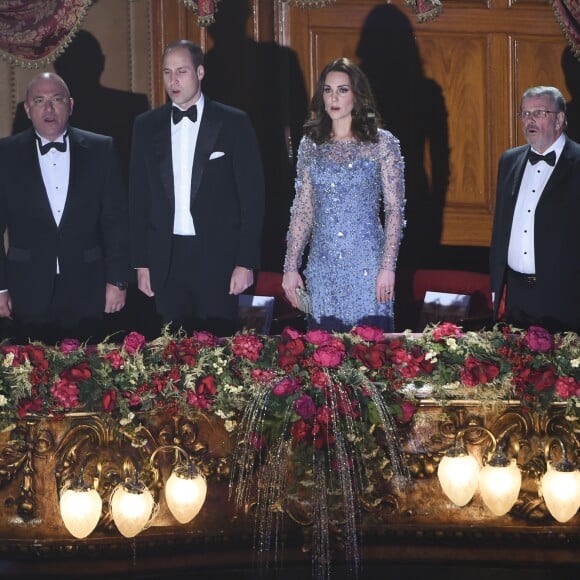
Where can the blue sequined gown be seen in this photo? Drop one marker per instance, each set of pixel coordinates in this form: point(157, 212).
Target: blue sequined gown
point(340, 186)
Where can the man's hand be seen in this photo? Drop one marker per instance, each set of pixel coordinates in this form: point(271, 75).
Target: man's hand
point(144, 282)
point(114, 298)
point(5, 305)
point(242, 279)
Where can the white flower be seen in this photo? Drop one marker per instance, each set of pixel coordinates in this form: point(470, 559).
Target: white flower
point(230, 425)
point(431, 356)
point(8, 359)
point(3, 400)
point(575, 363)
point(451, 343)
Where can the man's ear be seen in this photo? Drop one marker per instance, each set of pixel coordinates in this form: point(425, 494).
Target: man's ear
point(200, 71)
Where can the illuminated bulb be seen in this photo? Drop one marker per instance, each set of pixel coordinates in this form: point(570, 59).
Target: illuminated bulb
point(499, 484)
point(80, 509)
point(132, 507)
point(561, 490)
point(457, 475)
point(185, 492)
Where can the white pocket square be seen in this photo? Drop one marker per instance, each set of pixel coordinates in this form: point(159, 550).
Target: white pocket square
point(216, 154)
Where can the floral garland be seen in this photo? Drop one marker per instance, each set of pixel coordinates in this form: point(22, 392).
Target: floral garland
point(201, 373)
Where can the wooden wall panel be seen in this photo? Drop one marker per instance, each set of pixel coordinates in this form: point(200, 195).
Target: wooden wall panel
point(482, 54)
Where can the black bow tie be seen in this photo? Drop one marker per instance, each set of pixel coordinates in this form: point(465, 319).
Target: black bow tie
point(549, 158)
point(178, 114)
point(58, 145)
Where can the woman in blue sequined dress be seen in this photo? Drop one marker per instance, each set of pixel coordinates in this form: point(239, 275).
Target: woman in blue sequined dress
point(347, 167)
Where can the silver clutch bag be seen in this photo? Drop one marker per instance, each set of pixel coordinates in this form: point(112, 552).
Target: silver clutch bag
point(304, 301)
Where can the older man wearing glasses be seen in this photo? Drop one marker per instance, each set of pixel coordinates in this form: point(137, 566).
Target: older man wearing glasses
point(535, 247)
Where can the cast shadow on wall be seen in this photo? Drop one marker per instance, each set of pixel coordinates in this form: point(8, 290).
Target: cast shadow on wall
point(571, 70)
point(108, 111)
point(264, 79)
point(96, 108)
point(413, 109)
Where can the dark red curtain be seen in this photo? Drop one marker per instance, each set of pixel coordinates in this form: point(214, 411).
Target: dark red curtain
point(34, 32)
point(568, 15)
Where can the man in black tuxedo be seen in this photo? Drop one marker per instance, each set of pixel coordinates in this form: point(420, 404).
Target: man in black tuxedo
point(535, 248)
point(196, 200)
point(63, 205)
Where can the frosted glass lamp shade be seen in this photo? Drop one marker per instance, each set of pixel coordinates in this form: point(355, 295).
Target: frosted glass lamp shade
point(185, 493)
point(499, 486)
point(457, 473)
point(132, 508)
point(80, 509)
point(561, 491)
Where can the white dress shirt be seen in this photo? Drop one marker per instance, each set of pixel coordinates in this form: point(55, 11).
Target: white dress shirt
point(55, 169)
point(521, 255)
point(183, 141)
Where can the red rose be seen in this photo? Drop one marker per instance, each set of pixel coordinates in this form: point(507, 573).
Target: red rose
point(304, 407)
point(197, 401)
point(264, 376)
point(476, 372)
point(372, 357)
point(539, 339)
point(407, 412)
point(543, 379)
point(109, 401)
point(26, 406)
point(329, 356)
point(301, 431)
point(80, 372)
point(256, 440)
point(115, 359)
point(133, 342)
point(567, 387)
point(206, 386)
point(324, 415)
point(319, 378)
point(369, 333)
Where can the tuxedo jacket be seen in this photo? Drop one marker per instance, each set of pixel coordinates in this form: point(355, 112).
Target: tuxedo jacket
point(91, 241)
point(227, 193)
point(556, 232)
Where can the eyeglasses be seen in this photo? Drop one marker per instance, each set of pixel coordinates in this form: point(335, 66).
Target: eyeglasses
point(537, 114)
point(57, 100)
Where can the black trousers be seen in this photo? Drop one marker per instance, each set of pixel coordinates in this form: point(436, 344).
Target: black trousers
point(196, 295)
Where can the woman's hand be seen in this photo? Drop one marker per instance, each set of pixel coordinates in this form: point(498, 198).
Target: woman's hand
point(291, 281)
point(385, 286)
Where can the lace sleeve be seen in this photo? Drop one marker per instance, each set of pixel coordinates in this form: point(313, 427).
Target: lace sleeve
point(393, 185)
point(302, 211)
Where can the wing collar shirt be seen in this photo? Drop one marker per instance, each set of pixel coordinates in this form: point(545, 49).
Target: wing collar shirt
point(521, 255)
point(55, 169)
point(183, 141)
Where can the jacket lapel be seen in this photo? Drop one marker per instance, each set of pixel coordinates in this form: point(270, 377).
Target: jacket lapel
point(162, 150)
point(208, 133)
point(560, 172)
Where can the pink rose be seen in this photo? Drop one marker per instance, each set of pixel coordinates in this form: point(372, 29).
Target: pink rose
point(328, 356)
point(317, 336)
point(304, 407)
point(567, 387)
point(407, 412)
point(69, 345)
point(204, 338)
point(369, 333)
point(256, 440)
point(445, 329)
point(539, 339)
point(285, 387)
point(247, 346)
point(66, 393)
point(133, 342)
point(290, 333)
